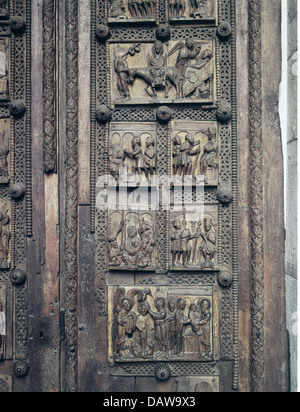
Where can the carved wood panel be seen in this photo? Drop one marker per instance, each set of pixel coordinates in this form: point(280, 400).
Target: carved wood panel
point(15, 182)
point(164, 130)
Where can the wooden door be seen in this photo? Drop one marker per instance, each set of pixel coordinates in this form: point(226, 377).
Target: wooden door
point(133, 233)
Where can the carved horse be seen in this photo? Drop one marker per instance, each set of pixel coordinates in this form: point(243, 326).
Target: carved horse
point(171, 76)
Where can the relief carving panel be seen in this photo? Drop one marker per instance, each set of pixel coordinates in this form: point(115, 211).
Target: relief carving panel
point(161, 323)
point(195, 150)
point(4, 9)
point(4, 68)
point(4, 151)
point(193, 10)
point(131, 241)
point(158, 73)
point(5, 235)
point(132, 10)
point(132, 150)
point(194, 240)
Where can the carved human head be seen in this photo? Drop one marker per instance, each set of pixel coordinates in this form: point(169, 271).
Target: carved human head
point(126, 304)
point(158, 47)
point(189, 43)
point(177, 224)
point(132, 232)
point(143, 308)
point(190, 137)
point(171, 305)
point(136, 141)
point(181, 304)
point(160, 303)
point(193, 307)
point(208, 222)
point(205, 305)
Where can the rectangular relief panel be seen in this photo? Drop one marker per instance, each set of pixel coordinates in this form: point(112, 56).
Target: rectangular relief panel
point(4, 9)
point(132, 152)
point(4, 151)
point(4, 68)
point(194, 238)
point(193, 11)
point(132, 11)
point(131, 240)
point(195, 151)
point(5, 234)
point(162, 324)
point(163, 73)
point(6, 324)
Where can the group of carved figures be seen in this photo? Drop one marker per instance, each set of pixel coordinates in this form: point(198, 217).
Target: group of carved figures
point(184, 244)
point(153, 334)
point(144, 161)
point(138, 9)
point(192, 8)
point(145, 9)
point(191, 76)
point(2, 330)
point(135, 248)
point(183, 153)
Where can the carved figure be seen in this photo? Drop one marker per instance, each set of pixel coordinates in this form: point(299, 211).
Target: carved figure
point(124, 77)
point(187, 151)
point(197, 82)
point(145, 345)
point(2, 331)
point(208, 248)
point(4, 151)
point(188, 51)
point(126, 323)
point(205, 320)
point(137, 155)
point(117, 9)
point(158, 75)
point(209, 157)
point(116, 160)
point(171, 315)
point(161, 325)
point(5, 236)
point(181, 320)
point(150, 157)
point(176, 154)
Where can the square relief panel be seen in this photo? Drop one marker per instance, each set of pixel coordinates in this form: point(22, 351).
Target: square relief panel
point(162, 323)
point(132, 152)
point(131, 241)
point(194, 239)
point(195, 151)
point(157, 73)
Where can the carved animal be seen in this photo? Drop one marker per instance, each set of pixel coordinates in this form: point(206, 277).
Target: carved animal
point(171, 75)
